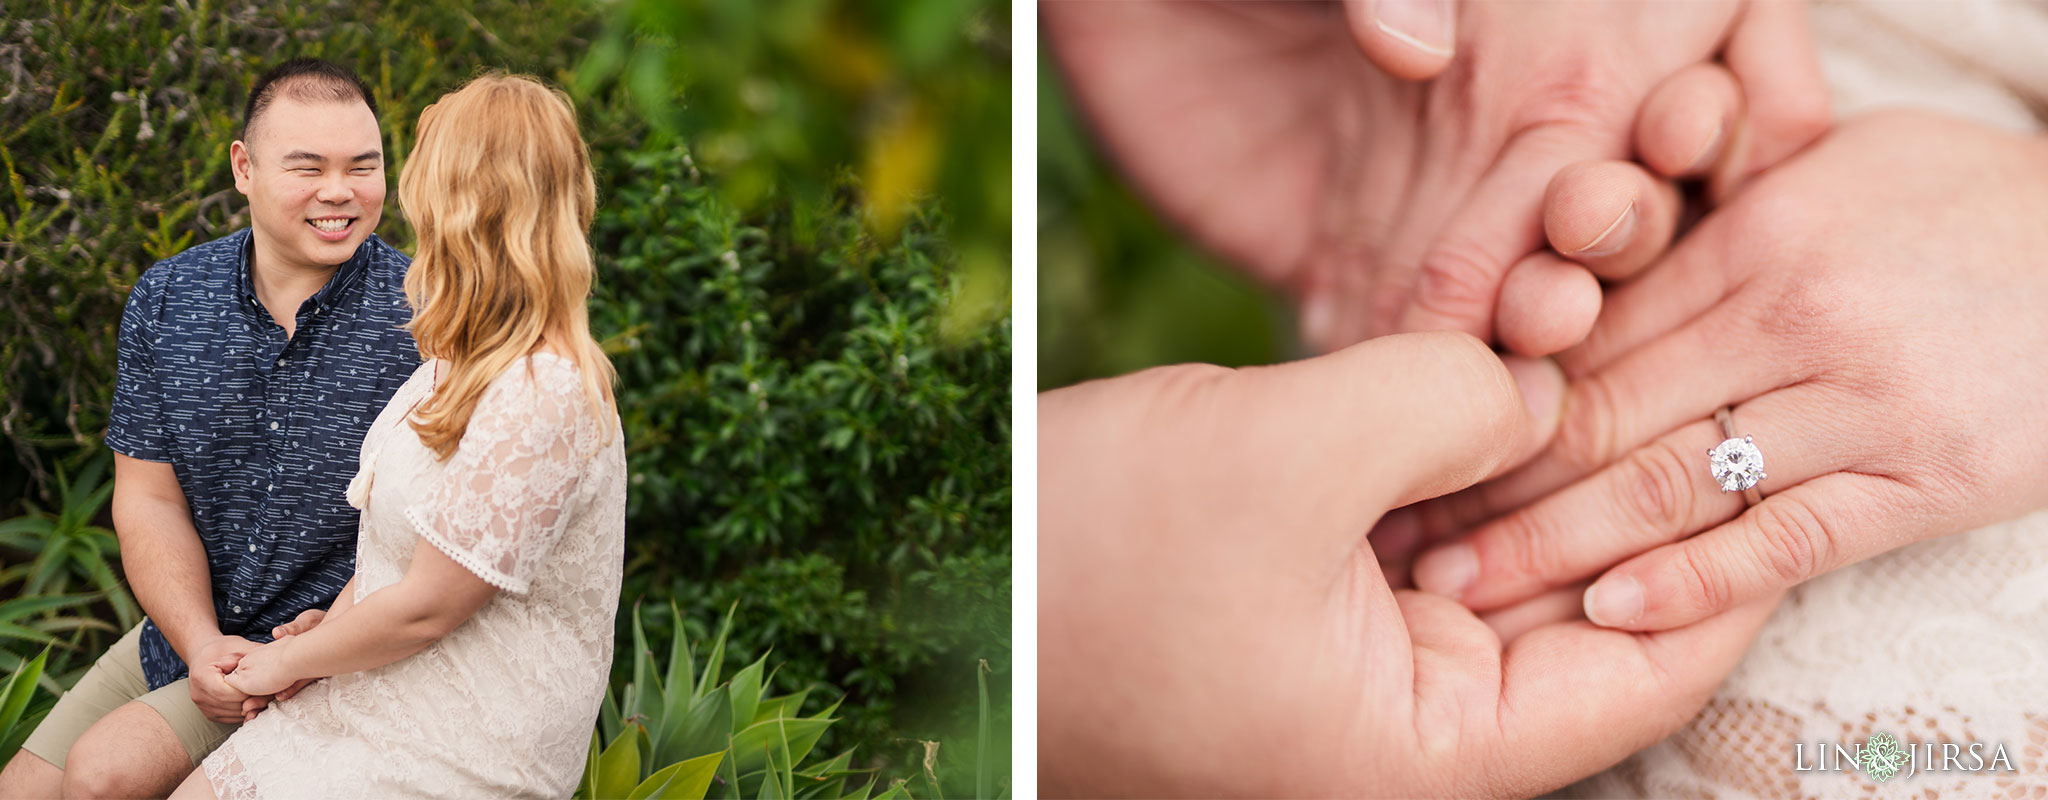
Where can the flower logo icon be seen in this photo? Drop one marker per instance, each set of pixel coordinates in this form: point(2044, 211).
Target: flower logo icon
point(1882, 757)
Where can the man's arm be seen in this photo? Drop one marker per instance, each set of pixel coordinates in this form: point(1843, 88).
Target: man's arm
point(435, 597)
point(154, 526)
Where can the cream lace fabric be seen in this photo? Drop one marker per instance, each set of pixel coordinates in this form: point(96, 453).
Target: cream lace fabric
point(1945, 640)
point(533, 501)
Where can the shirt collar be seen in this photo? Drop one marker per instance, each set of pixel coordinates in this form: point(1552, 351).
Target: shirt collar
point(330, 295)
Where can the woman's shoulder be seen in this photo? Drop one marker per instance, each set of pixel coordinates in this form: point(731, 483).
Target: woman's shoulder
point(542, 387)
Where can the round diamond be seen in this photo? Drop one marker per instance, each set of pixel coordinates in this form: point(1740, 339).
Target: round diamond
point(1737, 464)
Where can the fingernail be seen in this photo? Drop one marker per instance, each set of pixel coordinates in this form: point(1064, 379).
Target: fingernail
point(1425, 24)
point(1705, 156)
point(1541, 383)
point(1318, 313)
point(1614, 601)
point(1615, 237)
point(1447, 571)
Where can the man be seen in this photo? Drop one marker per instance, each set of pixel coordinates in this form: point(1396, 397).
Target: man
point(250, 368)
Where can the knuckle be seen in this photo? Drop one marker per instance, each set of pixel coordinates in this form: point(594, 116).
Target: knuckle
point(1810, 307)
point(1586, 435)
point(1583, 93)
point(1658, 488)
point(1706, 582)
point(1794, 541)
point(1458, 278)
point(1531, 545)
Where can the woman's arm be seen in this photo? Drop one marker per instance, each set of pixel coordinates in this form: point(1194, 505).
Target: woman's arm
point(434, 598)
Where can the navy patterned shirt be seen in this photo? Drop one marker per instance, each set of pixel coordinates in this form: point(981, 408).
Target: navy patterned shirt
point(262, 431)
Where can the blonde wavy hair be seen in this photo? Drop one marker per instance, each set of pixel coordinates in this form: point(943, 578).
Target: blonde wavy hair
point(499, 190)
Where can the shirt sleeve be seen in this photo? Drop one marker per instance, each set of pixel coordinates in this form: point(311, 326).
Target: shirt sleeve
point(511, 487)
point(135, 426)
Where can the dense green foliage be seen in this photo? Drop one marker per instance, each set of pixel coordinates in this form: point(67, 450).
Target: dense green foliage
point(814, 370)
point(1118, 290)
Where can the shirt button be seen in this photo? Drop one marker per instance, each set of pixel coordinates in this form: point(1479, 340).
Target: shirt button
point(236, 609)
point(252, 547)
point(273, 426)
point(270, 487)
point(280, 362)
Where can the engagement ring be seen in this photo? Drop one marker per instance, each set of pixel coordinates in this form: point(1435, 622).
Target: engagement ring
point(1737, 465)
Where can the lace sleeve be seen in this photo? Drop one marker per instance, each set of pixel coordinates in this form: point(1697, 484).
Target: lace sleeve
point(512, 485)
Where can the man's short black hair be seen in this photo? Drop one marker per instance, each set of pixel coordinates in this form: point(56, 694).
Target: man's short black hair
point(310, 79)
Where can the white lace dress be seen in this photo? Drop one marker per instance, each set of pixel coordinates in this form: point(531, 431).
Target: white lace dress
point(533, 501)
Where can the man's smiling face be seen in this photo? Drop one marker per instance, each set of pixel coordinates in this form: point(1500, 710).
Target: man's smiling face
point(314, 175)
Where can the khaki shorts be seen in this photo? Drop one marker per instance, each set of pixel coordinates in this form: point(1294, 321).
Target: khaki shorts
point(112, 681)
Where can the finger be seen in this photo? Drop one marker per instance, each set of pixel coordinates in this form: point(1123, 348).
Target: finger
point(1672, 293)
point(1610, 216)
point(1341, 438)
point(1658, 494)
point(1547, 304)
point(1713, 361)
point(1772, 55)
point(1557, 605)
point(1633, 689)
point(1807, 530)
point(1687, 121)
point(1458, 284)
point(293, 689)
point(1409, 39)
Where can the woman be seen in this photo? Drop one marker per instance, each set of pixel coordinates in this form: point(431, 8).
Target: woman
point(468, 655)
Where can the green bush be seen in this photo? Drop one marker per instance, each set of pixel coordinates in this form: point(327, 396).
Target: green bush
point(816, 402)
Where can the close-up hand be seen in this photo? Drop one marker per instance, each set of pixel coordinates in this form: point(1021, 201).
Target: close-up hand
point(262, 671)
point(1213, 620)
point(217, 699)
point(1286, 138)
point(1871, 311)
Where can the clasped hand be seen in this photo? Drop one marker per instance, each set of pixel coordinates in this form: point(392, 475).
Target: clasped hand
point(239, 682)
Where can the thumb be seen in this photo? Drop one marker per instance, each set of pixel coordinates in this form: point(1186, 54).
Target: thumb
point(1386, 423)
point(1409, 39)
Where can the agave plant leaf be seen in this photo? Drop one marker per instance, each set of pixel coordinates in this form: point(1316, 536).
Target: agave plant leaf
point(704, 729)
point(49, 564)
point(984, 782)
point(865, 790)
point(750, 747)
point(648, 703)
point(682, 678)
point(10, 741)
point(785, 706)
point(618, 768)
point(683, 780)
point(609, 721)
point(717, 657)
point(746, 694)
point(22, 533)
point(586, 788)
point(839, 763)
point(9, 630)
point(15, 694)
point(21, 607)
point(771, 786)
